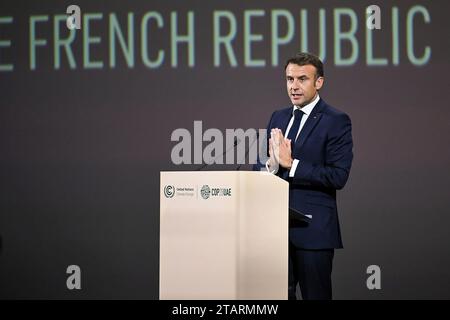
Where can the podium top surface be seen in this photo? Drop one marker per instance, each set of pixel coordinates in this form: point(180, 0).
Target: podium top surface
point(224, 174)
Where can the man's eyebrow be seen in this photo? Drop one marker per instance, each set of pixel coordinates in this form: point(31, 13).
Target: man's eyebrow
point(304, 76)
point(299, 77)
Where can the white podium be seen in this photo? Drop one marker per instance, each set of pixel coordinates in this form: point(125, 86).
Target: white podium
point(223, 235)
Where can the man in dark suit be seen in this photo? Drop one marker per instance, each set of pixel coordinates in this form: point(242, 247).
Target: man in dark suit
point(310, 146)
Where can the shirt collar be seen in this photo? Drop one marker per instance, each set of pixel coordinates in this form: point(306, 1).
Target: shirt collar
point(309, 107)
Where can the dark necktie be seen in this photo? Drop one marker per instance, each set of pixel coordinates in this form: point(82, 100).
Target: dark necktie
point(298, 114)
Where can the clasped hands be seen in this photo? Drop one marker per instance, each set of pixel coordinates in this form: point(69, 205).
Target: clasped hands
point(279, 150)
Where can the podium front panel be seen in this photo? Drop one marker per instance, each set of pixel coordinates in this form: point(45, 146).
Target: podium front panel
point(223, 235)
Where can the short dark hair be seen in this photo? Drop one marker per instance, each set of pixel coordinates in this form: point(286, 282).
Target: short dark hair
point(305, 58)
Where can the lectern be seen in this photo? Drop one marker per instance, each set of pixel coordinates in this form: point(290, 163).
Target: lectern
point(223, 235)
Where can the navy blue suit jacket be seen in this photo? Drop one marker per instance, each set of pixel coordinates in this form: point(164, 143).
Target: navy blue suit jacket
point(324, 150)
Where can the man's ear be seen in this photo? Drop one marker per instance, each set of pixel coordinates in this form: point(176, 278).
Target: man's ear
point(319, 83)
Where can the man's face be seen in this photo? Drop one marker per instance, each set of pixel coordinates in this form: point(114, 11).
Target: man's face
point(302, 84)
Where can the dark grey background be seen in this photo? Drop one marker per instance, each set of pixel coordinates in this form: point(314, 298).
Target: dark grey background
point(81, 150)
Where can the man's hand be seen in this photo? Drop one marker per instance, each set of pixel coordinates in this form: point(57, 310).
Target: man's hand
point(280, 148)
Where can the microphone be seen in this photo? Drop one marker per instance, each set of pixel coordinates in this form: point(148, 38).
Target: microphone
point(235, 143)
point(248, 150)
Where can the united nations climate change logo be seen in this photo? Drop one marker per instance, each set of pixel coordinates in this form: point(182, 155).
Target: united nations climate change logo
point(205, 192)
point(169, 191)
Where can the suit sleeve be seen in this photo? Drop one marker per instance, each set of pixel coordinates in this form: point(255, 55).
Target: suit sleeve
point(338, 159)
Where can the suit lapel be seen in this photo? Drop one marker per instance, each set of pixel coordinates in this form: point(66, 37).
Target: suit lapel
point(310, 123)
point(285, 120)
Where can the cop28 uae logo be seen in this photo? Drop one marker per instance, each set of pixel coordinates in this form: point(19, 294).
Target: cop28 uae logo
point(205, 192)
point(169, 191)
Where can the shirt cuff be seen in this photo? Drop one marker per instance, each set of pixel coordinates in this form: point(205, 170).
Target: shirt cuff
point(293, 168)
point(270, 170)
